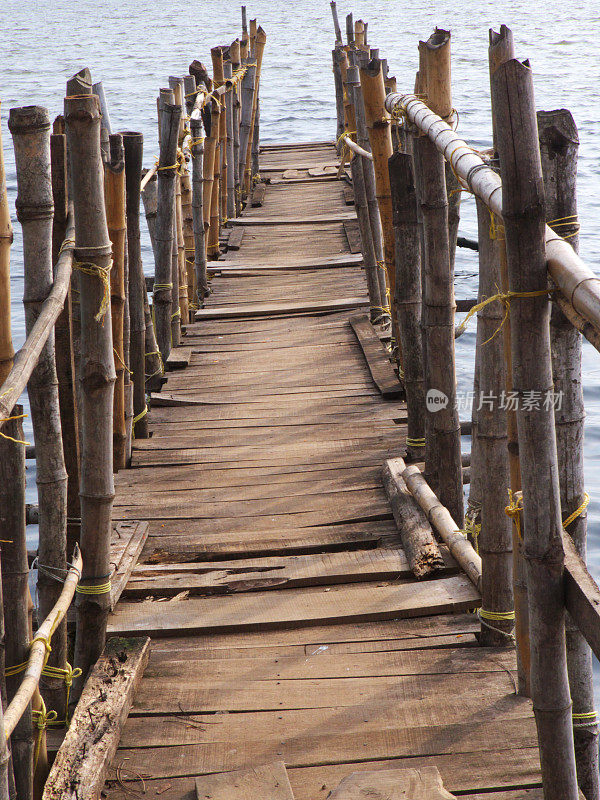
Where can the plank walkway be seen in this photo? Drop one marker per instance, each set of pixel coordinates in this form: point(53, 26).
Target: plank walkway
point(286, 626)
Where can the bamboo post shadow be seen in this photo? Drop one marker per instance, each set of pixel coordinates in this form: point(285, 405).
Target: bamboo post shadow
point(524, 222)
point(501, 49)
point(93, 254)
point(163, 283)
point(63, 335)
point(559, 142)
point(408, 297)
point(30, 129)
point(438, 294)
point(133, 146)
point(114, 193)
point(197, 149)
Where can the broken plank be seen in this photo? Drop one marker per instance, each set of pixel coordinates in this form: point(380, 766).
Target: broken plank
point(353, 236)
point(135, 539)
point(348, 194)
point(282, 307)
point(295, 607)
point(393, 784)
point(377, 358)
point(179, 357)
point(268, 782)
point(234, 242)
point(91, 741)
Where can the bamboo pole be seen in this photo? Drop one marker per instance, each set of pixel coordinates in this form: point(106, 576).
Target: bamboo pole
point(114, 193)
point(188, 240)
point(15, 573)
point(6, 775)
point(438, 296)
point(244, 23)
point(133, 146)
point(337, 55)
point(256, 143)
point(230, 174)
point(359, 33)
point(65, 361)
point(261, 40)
point(30, 129)
point(523, 214)
point(253, 32)
point(154, 365)
point(336, 22)
point(170, 114)
point(236, 63)
point(176, 86)
point(6, 236)
point(175, 272)
point(197, 148)
point(248, 88)
point(408, 297)
point(184, 309)
point(378, 126)
point(349, 30)
point(559, 143)
point(210, 160)
point(93, 252)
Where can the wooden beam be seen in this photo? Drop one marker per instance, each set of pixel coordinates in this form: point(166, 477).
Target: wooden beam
point(282, 308)
point(377, 358)
point(267, 782)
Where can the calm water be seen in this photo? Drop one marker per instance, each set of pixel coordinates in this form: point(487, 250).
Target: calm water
point(133, 48)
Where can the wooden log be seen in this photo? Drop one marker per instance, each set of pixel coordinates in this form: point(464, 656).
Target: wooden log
point(114, 193)
point(82, 118)
point(408, 297)
point(30, 128)
point(523, 214)
point(418, 542)
point(261, 40)
point(81, 765)
point(170, 114)
point(336, 22)
point(63, 334)
point(438, 293)
point(133, 145)
point(197, 150)
point(558, 147)
point(15, 573)
point(501, 49)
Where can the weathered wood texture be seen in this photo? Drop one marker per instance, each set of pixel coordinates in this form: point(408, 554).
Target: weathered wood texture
point(273, 579)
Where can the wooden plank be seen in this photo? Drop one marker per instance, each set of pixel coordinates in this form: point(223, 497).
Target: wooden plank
point(348, 194)
point(290, 146)
point(299, 166)
point(268, 782)
point(179, 358)
point(235, 240)
point(123, 566)
point(582, 595)
point(282, 307)
point(377, 358)
point(295, 607)
point(344, 260)
point(353, 236)
point(91, 741)
point(340, 216)
point(258, 195)
point(393, 784)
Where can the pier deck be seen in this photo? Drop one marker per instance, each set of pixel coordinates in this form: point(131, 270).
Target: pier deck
point(285, 623)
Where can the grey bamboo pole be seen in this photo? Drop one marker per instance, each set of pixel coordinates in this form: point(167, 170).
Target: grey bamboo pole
point(559, 143)
point(244, 22)
point(6, 236)
point(248, 88)
point(336, 22)
point(184, 310)
point(189, 93)
point(188, 240)
point(175, 272)
point(176, 86)
point(93, 257)
point(337, 55)
point(502, 49)
point(261, 40)
point(213, 249)
point(230, 187)
point(114, 193)
point(523, 214)
point(439, 288)
point(133, 146)
point(170, 114)
point(493, 535)
point(236, 63)
point(63, 334)
point(5, 765)
point(219, 187)
point(256, 142)
point(252, 35)
point(210, 157)
point(80, 83)
point(15, 573)
point(197, 149)
point(408, 297)
point(349, 30)
point(154, 365)
point(30, 129)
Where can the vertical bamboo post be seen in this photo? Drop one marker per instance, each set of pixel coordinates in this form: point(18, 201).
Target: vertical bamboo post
point(175, 298)
point(252, 45)
point(261, 40)
point(229, 100)
point(336, 22)
point(256, 142)
point(176, 86)
point(4, 751)
point(559, 143)
point(114, 193)
point(63, 333)
point(349, 30)
point(184, 309)
point(337, 55)
point(133, 146)
point(93, 255)
point(6, 236)
point(30, 128)
point(236, 63)
point(501, 49)
point(221, 170)
point(408, 297)
point(188, 240)
point(210, 157)
point(15, 573)
point(439, 288)
point(244, 24)
point(163, 282)
point(197, 149)
point(248, 88)
point(378, 126)
point(524, 222)
point(154, 365)
point(359, 33)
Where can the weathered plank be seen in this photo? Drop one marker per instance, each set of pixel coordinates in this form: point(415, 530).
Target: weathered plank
point(179, 357)
point(267, 782)
point(393, 784)
point(377, 358)
point(127, 544)
point(91, 742)
point(353, 236)
point(235, 240)
point(258, 195)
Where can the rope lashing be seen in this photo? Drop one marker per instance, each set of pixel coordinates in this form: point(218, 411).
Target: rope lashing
point(11, 438)
point(584, 718)
point(176, 314)
point(103, 273)
point(140, 416)
point(67, 674)
point(505, 298)
point(566, 222)
point(41, 718)
point(578, 511)
point(100, 588)
point(514, 509)
point(121, 362)
point(472, 530)
point(415, 442)
point(158, 287)
point(161, 366)
point(487, 617)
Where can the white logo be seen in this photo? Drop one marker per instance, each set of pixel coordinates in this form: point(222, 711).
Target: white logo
point(436, 400)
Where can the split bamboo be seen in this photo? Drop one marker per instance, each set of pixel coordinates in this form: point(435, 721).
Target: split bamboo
point(30, 128)
point(114, 193)
point(261, 40)
point(163, 283)
point(93, 255)
point(559, 143)
point(523, 214)
point(133, 146)
point(197, 149)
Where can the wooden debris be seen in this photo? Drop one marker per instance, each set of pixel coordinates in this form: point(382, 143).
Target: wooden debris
point(377, 358)
point(179, 357)
point(353, 236)
point(268, 782)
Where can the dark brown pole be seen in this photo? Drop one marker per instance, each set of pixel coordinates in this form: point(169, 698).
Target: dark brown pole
point(93, 257)
point(524, 222)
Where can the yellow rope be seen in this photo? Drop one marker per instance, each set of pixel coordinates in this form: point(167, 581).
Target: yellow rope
point(415, 442)
point(578, 512)
point(504, 298)
point(561, 222)
point(157, 287)
point(582, 718)
point(474, 529)
point(41, 719)
point(161, 366)
point(121, 362)
point(8, 419)
point(102, 588)
point(139, 416)
point(496, 616)
point(513, 510)
point(176, 314)
point(103, 273)
point(67, 674)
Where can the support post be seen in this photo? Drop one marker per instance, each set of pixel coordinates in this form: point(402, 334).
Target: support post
point(197, 149)
point(261, 40)
point(524, 222)
point(236, 63)
point(249, 83)
point(337, 54)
